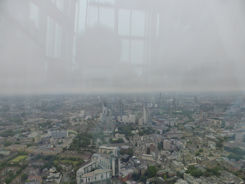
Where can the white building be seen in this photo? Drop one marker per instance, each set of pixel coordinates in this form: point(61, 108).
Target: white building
point(103, 166)
point(130, 118)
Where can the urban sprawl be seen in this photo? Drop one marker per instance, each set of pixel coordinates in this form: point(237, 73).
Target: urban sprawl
point(160, 138)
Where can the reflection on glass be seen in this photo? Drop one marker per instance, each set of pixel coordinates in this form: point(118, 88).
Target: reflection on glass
point(124, 22)
point(92, 16)
point(137, 52)
point(53, 38)
point(125, 51)
point(34, 14)
point(138, 23)
point(107, 17)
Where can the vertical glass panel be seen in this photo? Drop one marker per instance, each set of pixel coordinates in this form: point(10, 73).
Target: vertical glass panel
point(107, 17)
point(77, 18)
point(53, 38)
point(81, 15)
point(50, 37)
point(34, 14)
point(60, 4)
point(137, 52)
point(158, 25)
point(124, 22)
point(138, 23)
point(125, 51)
point(58, 41)
point(92, 14)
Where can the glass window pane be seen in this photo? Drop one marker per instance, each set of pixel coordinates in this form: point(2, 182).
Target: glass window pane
point(125, 50)
point(138, 23)
point(80, 19)
point(50, 37)
point(137, 52)
point(124, 22)
point(34, 14)
point(60, 4)
point(107, 17)
point(58, 41)
point(92, 16)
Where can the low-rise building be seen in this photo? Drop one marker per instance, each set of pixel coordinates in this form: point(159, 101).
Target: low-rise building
point(103, 166)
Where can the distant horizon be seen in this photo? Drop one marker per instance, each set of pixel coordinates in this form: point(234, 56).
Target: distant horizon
point(127, 92)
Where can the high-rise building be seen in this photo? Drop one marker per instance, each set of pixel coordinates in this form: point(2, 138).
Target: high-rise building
point(145, 115)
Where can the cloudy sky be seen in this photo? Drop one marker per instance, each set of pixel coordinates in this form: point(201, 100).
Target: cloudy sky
point(61, 46)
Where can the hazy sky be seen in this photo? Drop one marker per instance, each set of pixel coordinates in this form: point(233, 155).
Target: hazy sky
point(190, 45)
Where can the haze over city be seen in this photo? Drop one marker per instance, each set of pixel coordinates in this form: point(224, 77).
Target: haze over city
point(122, 92)
point(170, 45)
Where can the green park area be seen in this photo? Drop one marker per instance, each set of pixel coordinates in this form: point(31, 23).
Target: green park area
point(18, 159)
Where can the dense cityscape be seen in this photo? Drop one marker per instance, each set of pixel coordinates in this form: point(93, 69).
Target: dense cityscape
point(122, 92)
point(125, 138)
